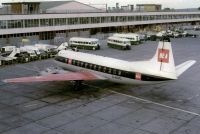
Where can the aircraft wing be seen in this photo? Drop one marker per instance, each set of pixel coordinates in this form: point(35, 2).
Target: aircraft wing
point(69, 76)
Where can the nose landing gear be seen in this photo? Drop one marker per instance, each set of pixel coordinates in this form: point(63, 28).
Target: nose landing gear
point(77, 85)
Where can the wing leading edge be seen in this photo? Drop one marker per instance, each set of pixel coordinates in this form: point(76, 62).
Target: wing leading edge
point(69, 76)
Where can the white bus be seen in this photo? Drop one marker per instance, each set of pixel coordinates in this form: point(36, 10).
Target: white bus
point(84, 43)
point(134, 38)
point(119, 43)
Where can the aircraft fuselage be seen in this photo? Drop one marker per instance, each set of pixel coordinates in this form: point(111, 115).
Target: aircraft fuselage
point(111, 69)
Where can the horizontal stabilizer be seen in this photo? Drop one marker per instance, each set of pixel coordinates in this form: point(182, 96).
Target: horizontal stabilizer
point(184, 66)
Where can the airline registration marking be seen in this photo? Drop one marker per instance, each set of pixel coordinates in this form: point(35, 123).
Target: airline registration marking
point(163, 55)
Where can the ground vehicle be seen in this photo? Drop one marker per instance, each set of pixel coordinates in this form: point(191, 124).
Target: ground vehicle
point(134, 38)
point(31, 50)
point(161, 34)
point(143, 37)
point(9, 57)
point(62, 46)
point(184, 33)
point(196, 28)
point(192, 35)
point(12, 54)
point(176, 34)
point(7, 49)
point(84, 43)
point(45, 47)
point(119, 43)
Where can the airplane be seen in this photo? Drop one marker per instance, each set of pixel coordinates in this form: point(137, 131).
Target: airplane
point(85, 67)
point(11, 56)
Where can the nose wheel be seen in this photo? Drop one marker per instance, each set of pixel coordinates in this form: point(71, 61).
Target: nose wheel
point(77, 85)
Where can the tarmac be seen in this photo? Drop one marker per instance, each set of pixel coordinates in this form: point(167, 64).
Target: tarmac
point(104, 107)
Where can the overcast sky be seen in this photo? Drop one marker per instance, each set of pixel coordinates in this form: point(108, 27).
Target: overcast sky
point(165, 3)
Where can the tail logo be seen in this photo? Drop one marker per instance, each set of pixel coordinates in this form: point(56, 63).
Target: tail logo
point(163, 55)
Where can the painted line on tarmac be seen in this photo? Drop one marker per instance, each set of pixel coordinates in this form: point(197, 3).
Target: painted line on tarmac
point(31, 105)
point(155, 103)
point(148, 101)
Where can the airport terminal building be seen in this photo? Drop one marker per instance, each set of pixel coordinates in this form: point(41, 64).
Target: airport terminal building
point(55, 21)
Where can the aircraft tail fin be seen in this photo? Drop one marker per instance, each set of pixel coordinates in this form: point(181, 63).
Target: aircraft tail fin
point(163, 60)
point(184, 66)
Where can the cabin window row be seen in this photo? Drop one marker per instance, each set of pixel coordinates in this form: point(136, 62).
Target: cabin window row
point(108, 70)
point(98, 68)
point(103, 69)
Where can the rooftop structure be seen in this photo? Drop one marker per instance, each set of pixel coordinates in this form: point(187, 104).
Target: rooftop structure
point(35, 7)
point(148, 7)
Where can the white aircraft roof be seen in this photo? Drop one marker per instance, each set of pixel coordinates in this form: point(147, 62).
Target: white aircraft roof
point(96, 59)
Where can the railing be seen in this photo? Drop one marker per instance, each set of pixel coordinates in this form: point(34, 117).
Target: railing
point(8, 12)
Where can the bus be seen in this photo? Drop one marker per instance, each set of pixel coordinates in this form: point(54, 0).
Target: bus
point(84, 43)
point(119, 43)
point(134, 38)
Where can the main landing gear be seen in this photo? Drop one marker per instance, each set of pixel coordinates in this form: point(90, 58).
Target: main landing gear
point(77, 85)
